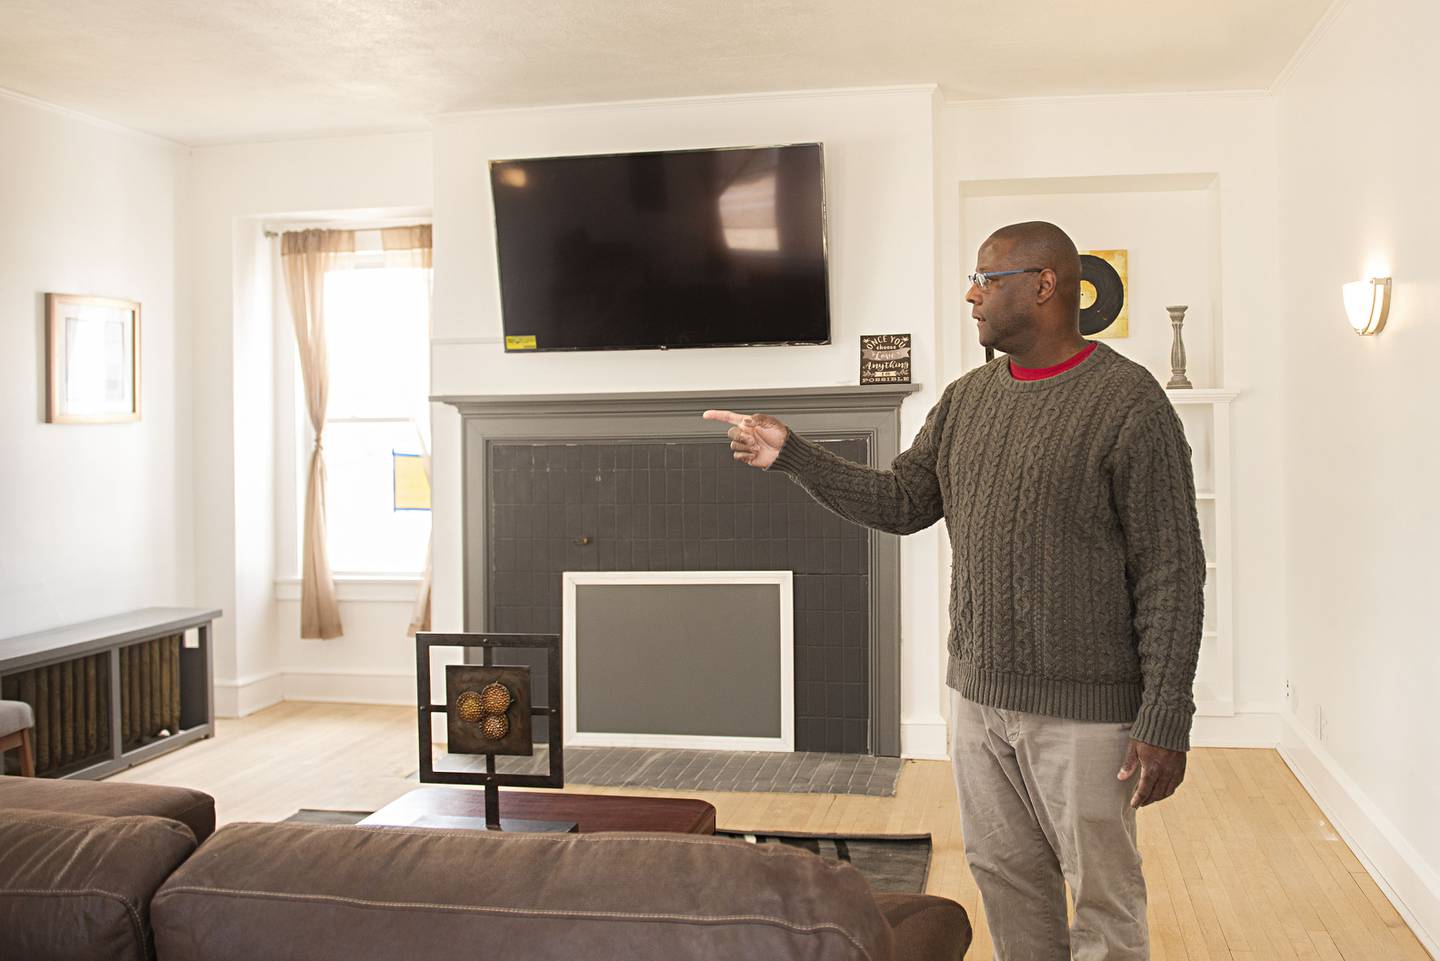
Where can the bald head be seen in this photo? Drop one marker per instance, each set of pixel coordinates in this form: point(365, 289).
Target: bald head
point(1041, 244)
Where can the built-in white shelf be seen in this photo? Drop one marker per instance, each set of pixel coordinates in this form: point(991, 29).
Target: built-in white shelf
point(1197, 396)
point(1206, 416)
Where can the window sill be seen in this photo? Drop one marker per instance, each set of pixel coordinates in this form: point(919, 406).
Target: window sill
point(381, 589)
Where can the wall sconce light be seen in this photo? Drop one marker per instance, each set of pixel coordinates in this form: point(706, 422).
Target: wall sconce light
point(1367, 302)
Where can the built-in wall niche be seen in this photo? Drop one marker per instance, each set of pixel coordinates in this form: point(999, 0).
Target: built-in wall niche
point(1170, 226)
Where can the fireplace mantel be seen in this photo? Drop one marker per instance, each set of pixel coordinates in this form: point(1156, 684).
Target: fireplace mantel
point(841, 413)
point(877, 397)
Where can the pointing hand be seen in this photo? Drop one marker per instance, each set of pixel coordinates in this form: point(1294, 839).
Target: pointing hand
point(756, 439)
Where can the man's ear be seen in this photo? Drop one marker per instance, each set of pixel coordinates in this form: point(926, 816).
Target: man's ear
point(1046, 290)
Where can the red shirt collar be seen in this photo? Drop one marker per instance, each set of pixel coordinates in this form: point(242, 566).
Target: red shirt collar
point(1027, 373)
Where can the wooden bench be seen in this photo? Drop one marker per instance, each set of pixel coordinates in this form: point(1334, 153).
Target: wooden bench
point(110, 693)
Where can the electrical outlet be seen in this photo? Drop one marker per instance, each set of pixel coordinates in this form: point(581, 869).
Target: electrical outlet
point(1292, 691)
point(1319, 723)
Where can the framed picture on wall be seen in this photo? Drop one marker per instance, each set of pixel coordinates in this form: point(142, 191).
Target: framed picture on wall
point(93, 359)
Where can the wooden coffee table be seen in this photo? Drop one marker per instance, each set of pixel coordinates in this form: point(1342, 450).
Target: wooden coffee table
point(454, 807)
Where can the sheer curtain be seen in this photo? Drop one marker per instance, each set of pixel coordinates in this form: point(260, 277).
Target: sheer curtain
point(306, 256)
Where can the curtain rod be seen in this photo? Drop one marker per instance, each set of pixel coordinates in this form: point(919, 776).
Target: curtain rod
point(275, 230)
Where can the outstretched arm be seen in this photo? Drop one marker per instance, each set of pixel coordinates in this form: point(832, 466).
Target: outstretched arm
point(901, 500)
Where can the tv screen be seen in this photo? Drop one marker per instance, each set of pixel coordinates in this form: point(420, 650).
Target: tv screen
point(694, 248)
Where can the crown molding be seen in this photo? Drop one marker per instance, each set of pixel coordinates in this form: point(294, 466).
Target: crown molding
point(1308, 45)
point(1070, 100)
point(89, 119)
point(420, 128)
point(779, 96)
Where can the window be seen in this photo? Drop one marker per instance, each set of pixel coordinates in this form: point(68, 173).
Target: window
point(377, 338)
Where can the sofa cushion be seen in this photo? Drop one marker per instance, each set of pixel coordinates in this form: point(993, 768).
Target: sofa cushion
point(78, 887)
point(194, 809)
point(926, 928)
point(316, 892)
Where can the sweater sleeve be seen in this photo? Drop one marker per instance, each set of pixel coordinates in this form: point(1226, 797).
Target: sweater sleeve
point(901, 500)
point(1153, 488)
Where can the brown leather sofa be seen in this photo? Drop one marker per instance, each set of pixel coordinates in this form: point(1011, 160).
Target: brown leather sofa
point(80, 882)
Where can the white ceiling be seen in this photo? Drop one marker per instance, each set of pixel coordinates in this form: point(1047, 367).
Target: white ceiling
point(199, 72)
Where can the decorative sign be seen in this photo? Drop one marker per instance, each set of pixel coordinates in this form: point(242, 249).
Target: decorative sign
point(884, 358)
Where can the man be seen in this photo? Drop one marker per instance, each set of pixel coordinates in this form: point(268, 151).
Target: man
point(1076, 598)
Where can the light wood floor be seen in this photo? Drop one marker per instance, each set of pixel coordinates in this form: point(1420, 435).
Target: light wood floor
point(1241, 865)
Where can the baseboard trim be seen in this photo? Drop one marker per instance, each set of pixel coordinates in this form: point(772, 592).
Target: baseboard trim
point(1250, 729)
point(246, 695)
point(924, 740)
point(351, 687)
point(1410, 884)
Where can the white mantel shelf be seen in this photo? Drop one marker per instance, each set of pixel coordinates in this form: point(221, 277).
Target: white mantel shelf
point(1201, 396)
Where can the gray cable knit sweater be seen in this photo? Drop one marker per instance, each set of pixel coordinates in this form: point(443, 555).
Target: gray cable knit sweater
point(1078, 573)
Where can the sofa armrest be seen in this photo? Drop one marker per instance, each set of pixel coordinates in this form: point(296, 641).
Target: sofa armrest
point(194, 809)
point(926, 928)
point(77, 887)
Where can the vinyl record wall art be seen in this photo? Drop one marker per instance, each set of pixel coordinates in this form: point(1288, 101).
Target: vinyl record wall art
point(1104, 294)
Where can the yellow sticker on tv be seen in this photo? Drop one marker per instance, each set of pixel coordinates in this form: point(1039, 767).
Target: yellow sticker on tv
point(520, 343)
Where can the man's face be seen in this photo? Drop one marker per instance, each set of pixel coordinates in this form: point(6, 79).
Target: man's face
point(1004, 310)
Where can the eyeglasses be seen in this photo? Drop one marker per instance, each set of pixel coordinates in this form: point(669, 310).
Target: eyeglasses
point(982, 278)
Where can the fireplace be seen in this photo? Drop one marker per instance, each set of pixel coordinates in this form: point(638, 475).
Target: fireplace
point(637, 483)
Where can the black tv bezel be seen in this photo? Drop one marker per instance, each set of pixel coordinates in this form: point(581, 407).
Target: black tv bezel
point(824, 250)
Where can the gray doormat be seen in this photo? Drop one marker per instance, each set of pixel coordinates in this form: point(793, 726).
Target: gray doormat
point(895, 864)
point(768, 772)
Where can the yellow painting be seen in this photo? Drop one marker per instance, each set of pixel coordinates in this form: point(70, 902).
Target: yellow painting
point(412, 487)
point(1120, 326)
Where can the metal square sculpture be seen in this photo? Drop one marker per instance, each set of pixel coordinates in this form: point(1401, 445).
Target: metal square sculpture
point(483, 704)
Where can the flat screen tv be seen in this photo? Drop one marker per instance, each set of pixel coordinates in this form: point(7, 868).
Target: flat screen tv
point(693, 248)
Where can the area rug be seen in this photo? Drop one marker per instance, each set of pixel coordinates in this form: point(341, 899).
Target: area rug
point(892, 864)
point(684, 770)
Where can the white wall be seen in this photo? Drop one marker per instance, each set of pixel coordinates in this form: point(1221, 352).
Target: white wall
point(1359, 149)
point(235, 189)
point(880, 158)
point(96, 518)
point(1070, 151)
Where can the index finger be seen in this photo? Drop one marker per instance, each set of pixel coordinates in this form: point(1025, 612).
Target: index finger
point(727, 416)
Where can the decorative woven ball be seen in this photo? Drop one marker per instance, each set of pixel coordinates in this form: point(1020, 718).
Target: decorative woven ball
point(494, 698)
point(495, 726)
point(469, 707)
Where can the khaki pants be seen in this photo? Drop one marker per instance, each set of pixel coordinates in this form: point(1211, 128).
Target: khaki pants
point(1040, 806)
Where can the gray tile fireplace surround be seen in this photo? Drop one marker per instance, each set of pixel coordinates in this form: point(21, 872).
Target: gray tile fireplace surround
point(638, 482)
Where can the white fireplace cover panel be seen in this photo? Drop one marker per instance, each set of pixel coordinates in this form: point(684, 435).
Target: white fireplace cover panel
point(736, 692)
